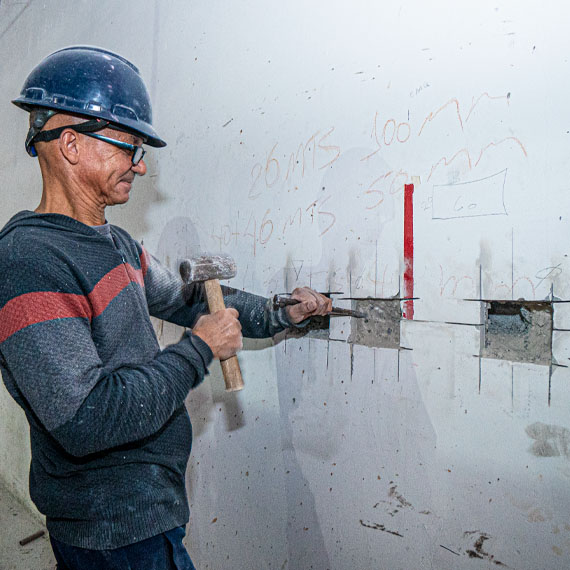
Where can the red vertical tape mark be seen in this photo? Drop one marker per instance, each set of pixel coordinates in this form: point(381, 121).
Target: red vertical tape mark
point(409, 250)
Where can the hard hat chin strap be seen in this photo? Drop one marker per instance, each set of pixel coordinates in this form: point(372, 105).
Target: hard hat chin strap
point(35, 134)
point(38, 118)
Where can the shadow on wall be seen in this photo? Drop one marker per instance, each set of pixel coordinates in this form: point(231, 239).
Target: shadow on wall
point(144, 196)
point(305, 541)
point(179, 239)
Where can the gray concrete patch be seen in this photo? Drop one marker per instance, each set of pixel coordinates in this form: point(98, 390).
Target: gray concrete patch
point(381, 327)
point(549, 440)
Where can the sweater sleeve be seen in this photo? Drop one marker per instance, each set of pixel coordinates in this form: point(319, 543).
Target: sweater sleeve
point(169, 299)
point(49, 358)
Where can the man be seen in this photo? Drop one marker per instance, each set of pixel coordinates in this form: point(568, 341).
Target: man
point(110, 435)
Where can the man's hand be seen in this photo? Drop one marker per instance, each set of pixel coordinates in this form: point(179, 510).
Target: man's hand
point(221, 331)
point(311, 304)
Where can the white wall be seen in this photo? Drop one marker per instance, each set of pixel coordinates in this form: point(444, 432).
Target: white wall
point(337, 455)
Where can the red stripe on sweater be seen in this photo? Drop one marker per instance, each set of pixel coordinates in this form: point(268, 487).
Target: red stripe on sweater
point(32, 308)
point(111, 285)
point(145, 261)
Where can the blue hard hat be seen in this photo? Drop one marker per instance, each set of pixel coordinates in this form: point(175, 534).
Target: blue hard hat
point(95, 83)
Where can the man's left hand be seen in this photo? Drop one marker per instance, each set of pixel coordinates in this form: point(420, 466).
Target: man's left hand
point(310, 304)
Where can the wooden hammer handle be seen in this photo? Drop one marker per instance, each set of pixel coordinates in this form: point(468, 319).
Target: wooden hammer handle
point(230, 366)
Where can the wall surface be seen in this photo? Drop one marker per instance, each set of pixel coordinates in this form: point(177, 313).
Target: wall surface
point(382, 151)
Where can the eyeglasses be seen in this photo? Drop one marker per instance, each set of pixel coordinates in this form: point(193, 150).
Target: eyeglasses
point(85, 128)
point(138, 151)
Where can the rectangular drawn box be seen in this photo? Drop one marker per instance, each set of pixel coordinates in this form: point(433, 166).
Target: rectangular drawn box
point(483, 197)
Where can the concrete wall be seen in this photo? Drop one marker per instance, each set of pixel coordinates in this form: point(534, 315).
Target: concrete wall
point(292, 129)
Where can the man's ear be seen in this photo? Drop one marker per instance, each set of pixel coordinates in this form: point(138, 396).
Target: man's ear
point(69, 145)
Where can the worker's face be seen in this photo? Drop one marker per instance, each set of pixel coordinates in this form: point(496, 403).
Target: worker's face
point(110, 169)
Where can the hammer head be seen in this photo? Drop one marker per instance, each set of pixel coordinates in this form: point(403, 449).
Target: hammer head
point(206, 267)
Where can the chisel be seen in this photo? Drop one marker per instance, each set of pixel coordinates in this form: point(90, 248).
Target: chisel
point(280, 301)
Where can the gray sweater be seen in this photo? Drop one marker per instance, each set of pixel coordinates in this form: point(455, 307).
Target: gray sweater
point(110, 434)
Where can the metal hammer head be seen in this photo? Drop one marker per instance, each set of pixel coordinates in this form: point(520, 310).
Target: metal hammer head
point(206, 267)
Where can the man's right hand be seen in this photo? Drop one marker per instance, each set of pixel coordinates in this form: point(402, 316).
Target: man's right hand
point(221, 331)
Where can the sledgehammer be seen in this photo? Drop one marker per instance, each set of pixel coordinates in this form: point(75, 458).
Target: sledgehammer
point(209, 269)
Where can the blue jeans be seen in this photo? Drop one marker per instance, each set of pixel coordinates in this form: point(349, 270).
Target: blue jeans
point(162, 552)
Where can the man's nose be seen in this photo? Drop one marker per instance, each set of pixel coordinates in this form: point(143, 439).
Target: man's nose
point(139, 168)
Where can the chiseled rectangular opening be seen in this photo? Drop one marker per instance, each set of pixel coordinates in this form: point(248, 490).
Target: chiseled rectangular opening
point(317, 327)
point(381, 326)
point(519, 331)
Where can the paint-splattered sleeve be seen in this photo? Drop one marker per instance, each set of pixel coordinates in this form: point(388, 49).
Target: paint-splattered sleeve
point(169, 299)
